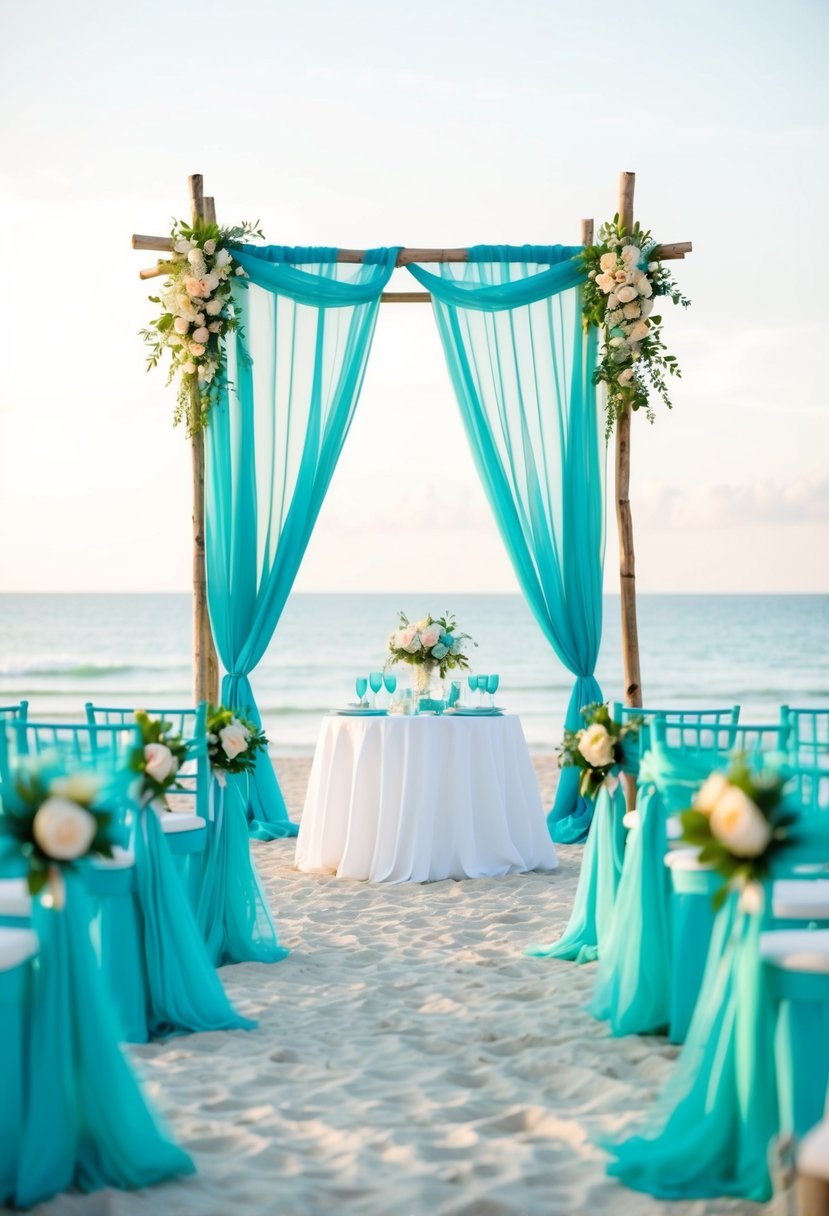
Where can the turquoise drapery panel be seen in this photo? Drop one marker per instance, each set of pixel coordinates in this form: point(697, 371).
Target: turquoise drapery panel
point(510, 320)
point(295, 369)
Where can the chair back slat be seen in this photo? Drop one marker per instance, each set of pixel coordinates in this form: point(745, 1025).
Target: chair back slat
point(809, 735)
point(719, 740)
point(191, 724)
point(709, 719)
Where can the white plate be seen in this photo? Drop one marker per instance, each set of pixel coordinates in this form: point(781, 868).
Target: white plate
point(474, 711)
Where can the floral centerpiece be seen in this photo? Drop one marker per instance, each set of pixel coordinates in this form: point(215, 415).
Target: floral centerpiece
point(623, 280)
point(233, 742)
point(429, 645)
point(738, 821)
point(55, 819)
point(197, 313)
point(598, 749)
point(162, 757)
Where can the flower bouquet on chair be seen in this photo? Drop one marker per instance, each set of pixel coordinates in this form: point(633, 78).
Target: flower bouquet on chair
point(738, 821)
point(430, 646)
point(56, 819)
point(598, 749)
point(233, 742)
point(163, 756)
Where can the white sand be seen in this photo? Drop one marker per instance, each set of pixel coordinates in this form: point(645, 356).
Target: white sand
point(410, 1061)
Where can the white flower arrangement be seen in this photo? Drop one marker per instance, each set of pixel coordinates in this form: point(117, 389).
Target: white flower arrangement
point(598, 749)
point(432, 642)
point(198, 313)
point(623, 281)
point(738, 820)
point(233, 742)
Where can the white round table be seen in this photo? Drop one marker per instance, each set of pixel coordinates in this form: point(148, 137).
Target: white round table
point(419, 799)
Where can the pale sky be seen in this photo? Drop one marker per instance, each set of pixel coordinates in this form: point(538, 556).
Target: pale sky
point(436, 123)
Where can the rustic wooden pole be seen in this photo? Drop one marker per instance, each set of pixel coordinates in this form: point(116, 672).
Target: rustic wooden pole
point(587, 232)
point(205, 662)
point(624, 520)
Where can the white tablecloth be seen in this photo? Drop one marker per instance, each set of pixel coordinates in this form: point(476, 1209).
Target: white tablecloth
point(417, 799)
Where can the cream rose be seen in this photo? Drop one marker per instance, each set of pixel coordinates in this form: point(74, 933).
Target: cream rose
point(626, 375)
point(210, 282)
point(639, 331)
point(630, 311)
point(596, 745)
point(606, 282)
point(159, 762)
point(63, 829)
point(201, 334)
point(197, 349)
point(646, 307)
point(626, 294)
point(193, 287)
point(739, 824)
point(607, 262)
point(222, 258)
point(210, 247)
point(213, 308)
point(630, 255)
point(234, 739)
point(710, 792)
point(645, 288)
point(189, 368)
point(181, 325)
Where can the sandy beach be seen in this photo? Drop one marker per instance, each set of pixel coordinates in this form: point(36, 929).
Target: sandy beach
point(409, 1061)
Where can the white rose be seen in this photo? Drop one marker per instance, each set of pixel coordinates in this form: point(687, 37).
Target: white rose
point(615, 342)
point(740, 824)
point(201, 334)
point(596, 745)
point(710, 792)
point(181, 325)
point(234, 739)
point(159, 762)
point(213, 308)
point(630, 254)
point(210, 282)
point(607, 262)
point(639, 331)
point(194, 256)
point(606, 282)
point(222, 258)
point(626, 375)
point(210, 247)
point(631, 311)
point(63, 829)
point(79, 787)
point(645, 288)
point(182, 246)
point(653, 266)
point(626, 294)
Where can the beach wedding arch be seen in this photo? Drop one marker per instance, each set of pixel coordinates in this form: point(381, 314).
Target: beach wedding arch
point(319, 338)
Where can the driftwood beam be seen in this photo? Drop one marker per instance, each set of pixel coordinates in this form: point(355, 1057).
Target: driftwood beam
point(405, 297)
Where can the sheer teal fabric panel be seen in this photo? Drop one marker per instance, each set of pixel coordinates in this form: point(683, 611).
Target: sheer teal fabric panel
point(232, 911)
point(601, 869)
point(86, 1122)
point(295, 368)
point(510, 320)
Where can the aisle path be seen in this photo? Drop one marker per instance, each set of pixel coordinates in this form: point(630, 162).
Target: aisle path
point(410, 1062)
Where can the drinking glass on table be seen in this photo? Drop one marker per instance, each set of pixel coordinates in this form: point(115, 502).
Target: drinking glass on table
point(454, 693)
point(472, 682)
point(390, 683)
point(492, 683)
point(360, 687)
point(375, 683)
point(482, 683)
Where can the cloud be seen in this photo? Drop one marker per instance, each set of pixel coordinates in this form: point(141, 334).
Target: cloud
point(762, 501)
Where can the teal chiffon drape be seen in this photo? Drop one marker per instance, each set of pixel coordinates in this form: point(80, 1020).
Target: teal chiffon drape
point(86, 1122)
point(295, 369)
point(521, 363)
point(592, 916)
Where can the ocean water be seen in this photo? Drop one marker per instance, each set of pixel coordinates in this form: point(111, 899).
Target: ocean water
point(757, 651)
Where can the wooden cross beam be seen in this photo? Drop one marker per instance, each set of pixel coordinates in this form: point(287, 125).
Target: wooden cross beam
point(406, 256)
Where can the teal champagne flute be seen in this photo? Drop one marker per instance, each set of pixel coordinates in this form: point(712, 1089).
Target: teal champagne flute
point(390, 683)
point(482, 680)
point(360, 686)
point(375, 683)
point(492, 683)
point(472, 682)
